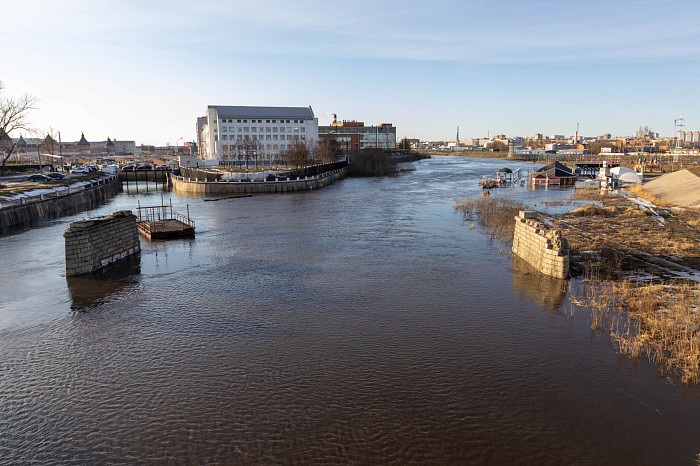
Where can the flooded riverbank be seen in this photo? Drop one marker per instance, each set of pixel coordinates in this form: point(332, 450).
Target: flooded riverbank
point(364, 322)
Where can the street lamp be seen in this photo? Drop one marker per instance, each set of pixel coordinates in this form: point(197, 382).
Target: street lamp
point(177, 145)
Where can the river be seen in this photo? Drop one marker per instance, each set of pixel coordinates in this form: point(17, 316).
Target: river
point(364, 322)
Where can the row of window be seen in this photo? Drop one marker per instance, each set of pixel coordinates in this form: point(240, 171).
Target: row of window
point(228, 120)
point(269, 129)
point(228, 148)
point(274, 137)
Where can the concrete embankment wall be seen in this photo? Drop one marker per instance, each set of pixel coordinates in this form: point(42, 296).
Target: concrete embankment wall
point(192, 186)
point(93, 244)
point(63, 201)
point(540, 246)
point(159, 176)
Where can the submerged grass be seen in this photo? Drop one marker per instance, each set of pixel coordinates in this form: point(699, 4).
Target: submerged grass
point(495, 215)
point(658, 320)
point(654, 320)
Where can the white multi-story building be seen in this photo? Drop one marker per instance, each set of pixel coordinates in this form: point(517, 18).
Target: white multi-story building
point(274, 128)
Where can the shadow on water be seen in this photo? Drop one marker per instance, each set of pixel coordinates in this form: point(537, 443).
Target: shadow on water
point(529, 283)
point(89, 290)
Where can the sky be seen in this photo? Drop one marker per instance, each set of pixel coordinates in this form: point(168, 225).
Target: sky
point(145, 70)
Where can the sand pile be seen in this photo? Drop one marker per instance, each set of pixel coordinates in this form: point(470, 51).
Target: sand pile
point(680, 188)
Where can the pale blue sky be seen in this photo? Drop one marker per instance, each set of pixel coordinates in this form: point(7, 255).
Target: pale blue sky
point(145, 70)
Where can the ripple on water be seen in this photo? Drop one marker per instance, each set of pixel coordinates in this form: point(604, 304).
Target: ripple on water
point(361, 323)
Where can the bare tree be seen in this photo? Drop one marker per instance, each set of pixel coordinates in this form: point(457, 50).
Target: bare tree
point(327, 151)
point(239, 150)
point(14, 116)
point(256, 149)
point(643, 134)
point(497, 146)
point(297, 155)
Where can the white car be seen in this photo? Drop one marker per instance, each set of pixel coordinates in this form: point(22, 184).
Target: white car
point(80, 170)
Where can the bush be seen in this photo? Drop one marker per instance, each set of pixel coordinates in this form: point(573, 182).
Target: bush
point(371, 162)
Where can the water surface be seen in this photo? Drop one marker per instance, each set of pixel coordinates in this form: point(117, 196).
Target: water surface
point(364, 322)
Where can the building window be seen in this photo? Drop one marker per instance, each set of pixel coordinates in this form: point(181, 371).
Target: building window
point(289, 137)
point(302, 129)
point(253, 129)
point(281, 129)
point(267, 121)
point(274, 129)
point(275, 147)
point(268, 129)
point(224, 137)
point(303, 137)
point(296, 129)
point(288, 121)
point(246, 129)
point(224, 129)
point(245, 121)
point(268, 138)
point(240, 136)
point(239, 129)
point(274, 137)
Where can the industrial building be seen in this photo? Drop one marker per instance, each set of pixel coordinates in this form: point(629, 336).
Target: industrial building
point(354, 135)
point(275, 129)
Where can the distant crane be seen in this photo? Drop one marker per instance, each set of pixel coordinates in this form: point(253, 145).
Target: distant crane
point(335, 117)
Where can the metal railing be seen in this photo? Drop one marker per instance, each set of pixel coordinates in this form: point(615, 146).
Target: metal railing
point(152, 215)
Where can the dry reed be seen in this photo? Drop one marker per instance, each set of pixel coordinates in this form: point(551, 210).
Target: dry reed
point(495, 215)
point(658, 321)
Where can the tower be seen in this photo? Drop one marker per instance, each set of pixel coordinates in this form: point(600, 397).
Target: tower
point(457, 141)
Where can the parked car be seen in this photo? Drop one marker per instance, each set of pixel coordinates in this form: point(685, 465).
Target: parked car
point(144, 166)
point(162, 167)
point(111, 169)
point(80, 170)
point(55, 175)
point(93, 168)
point(39, 178)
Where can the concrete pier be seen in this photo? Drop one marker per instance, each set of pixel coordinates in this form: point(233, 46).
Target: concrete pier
point(543, 248)
point(94, 244)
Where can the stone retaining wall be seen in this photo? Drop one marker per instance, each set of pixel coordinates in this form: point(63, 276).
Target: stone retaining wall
point(68, 200)
point(93, 244)
point(540, 246)
point(192, 186)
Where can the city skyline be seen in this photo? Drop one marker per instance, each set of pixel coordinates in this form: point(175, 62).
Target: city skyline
point(146, 72)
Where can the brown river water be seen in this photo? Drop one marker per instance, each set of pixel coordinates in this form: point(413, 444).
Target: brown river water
point(361, 323)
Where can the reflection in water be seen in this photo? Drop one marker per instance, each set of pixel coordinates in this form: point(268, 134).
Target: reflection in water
point(90, 290)
point(547, 291)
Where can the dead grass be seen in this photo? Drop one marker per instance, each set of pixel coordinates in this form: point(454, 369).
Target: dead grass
point(639, 191)
point(616, 223)
point(658, 321)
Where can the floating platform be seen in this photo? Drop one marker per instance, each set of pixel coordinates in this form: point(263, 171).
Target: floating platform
point(165, 229)
point(160, 222)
